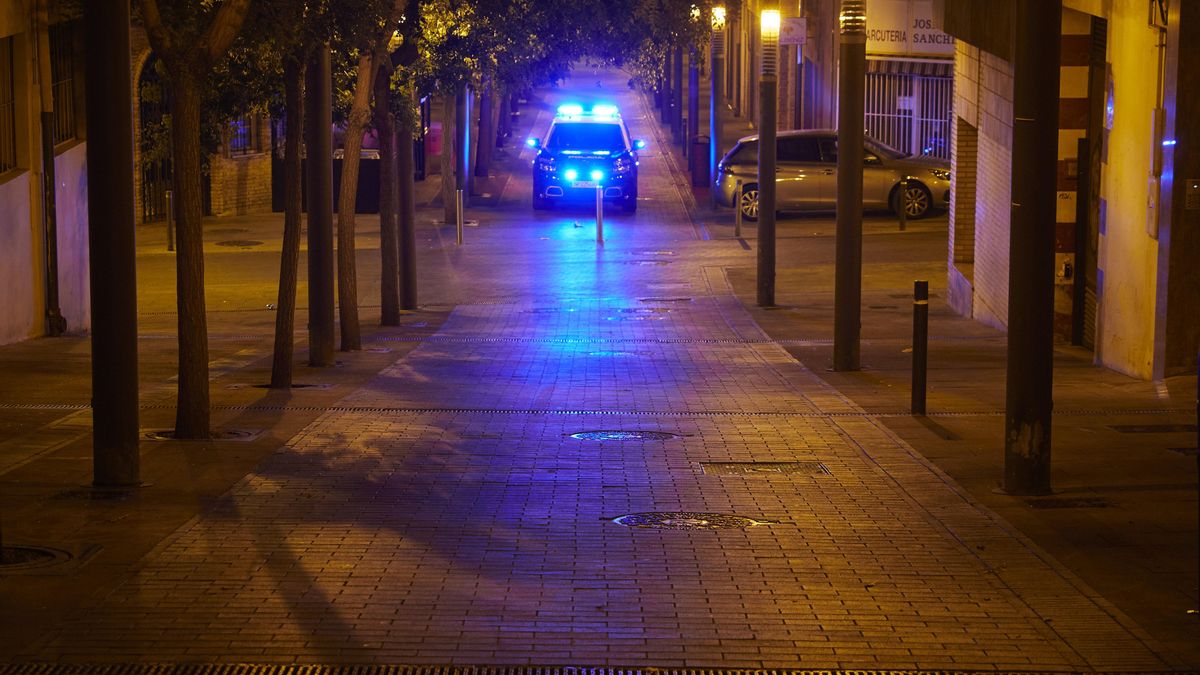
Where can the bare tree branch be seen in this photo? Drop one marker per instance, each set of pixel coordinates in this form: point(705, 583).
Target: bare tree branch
point(224, 28)
point(161, 37)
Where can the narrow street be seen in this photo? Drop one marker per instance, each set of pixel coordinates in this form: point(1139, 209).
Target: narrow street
point(726, 507)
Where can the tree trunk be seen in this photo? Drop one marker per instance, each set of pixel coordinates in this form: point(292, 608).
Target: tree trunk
point(356, 122)
point(408, 213)
point(449, 157)
point(503, 118)
point(389, 244)
point(487, 130)
point(285, 309)
point(192, 414)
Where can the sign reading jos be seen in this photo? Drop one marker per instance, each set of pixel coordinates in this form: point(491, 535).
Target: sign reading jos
point(905, 28)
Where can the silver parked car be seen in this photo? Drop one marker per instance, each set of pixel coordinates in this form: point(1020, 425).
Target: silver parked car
point(806, 178)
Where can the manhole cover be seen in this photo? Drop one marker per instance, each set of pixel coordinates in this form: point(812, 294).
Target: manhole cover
point(239, 243)
point(1069, 503)
point(660, 300)
point(751, 468)
point(645, 310)
point(646, 262)
point(215, 435)
point(1190, 452)
point(1153, 428)
point(16, 558)
point(621, 435)
point(687, 520)
point(882, 307)
point(297, 385)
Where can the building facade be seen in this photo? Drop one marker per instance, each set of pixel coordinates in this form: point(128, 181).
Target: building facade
point(43, 174)
point(1127, 287)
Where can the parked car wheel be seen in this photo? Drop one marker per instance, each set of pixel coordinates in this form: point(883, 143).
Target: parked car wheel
point(917, 200)
point(749, 202)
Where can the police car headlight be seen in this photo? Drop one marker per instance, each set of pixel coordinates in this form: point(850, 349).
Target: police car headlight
point(623, 165)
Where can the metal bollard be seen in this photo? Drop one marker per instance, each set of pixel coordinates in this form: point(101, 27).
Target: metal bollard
point(599, 214)
point(170, 220)
point(737, 209)
point(903, 203)
point(1196, 611)
point(458, 216)
point(920, 345)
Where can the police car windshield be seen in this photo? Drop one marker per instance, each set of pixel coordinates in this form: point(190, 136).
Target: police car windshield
point(586, 137)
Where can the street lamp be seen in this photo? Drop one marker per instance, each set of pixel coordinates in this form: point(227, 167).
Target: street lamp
point(847, 289)
point(716, 75)
point(767, 89)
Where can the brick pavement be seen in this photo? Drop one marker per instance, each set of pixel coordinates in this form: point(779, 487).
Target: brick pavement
point(468, 535)
point(442, 514)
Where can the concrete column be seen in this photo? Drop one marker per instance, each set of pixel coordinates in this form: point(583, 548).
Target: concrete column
point(112, 254)
point(1031, 248)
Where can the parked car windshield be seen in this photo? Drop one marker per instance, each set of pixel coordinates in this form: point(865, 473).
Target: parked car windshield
point(586, 137)
point(885, 150)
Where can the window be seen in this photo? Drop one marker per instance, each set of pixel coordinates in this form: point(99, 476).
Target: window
point(798, 149)
point(63, 68)
point(244, 136)
point(8, 108)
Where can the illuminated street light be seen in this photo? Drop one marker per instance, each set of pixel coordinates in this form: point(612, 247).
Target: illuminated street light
point(716, 77)
point(767, 95)
point(847, 290)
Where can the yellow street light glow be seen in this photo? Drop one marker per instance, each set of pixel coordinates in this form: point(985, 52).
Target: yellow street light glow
point(770, 24)
point(718, 17)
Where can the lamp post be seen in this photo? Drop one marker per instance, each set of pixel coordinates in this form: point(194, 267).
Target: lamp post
point(716, 76)
point(766, 158)
point(847, 290)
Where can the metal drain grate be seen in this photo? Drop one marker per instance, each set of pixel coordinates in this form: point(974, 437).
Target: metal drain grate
point(236, 435)
point(661, 300)
point(19, 558)
point(1189, 452)
point(1153, 428)
point(687, 520)
point(239, 243)
point(1069, 503)
point(366, 669)
point(624, 435)
point(759, 468)
point(645, 310)
point(613, 353)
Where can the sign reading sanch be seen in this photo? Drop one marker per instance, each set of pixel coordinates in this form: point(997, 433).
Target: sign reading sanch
point(905, 28)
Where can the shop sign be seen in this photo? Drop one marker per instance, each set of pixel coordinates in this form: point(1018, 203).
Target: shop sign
point(793, 31)
point(905, 28)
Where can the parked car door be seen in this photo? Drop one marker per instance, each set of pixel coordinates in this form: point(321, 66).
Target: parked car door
point(877, 178)
point(802, 176)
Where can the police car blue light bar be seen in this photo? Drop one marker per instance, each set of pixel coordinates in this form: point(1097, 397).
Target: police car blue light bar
point(570, 109)
point(604, 110)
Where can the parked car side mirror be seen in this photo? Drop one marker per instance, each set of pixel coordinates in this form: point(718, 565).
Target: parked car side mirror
point(639, 144)
point(533, 142)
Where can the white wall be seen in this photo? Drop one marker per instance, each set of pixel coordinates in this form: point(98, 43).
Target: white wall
point(71, 193)
point(18, 306)
point(1128, 254)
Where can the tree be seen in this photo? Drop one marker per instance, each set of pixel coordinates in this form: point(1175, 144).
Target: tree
point(190, 37)
point(368, 32)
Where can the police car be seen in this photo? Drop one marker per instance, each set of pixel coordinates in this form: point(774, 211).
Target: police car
point(586, 150)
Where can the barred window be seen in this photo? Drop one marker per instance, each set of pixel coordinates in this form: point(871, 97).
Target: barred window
point(244, 136)
point(63, 68)
point(8, 108)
